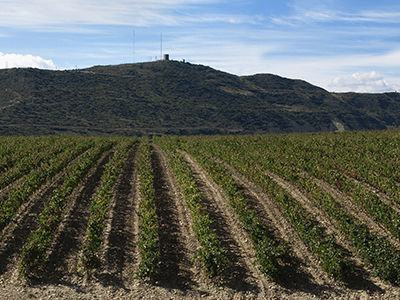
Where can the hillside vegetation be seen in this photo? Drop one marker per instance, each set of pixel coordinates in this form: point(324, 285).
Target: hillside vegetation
point(170, 97)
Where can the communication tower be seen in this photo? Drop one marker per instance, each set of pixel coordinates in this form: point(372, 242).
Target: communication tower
point(134, 47)
point(161, 46)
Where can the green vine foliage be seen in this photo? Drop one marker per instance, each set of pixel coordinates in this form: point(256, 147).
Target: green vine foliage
point(211, 253)
point(148, 228)
point(336, 159)
point(271, 255)
point(37, 177)
point(33, 253)
point(313, 235)
point(100, 205)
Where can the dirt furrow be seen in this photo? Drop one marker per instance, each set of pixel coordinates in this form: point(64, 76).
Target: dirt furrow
point(359, 277)
point(306, 203)
point(384, 198)
point(312, 208)
point(307, 268)
point(17, 232)
point(356, 211)
point(4, 193)
point(118, 250)
point(243, 275)
point(14, 236)
point(63, 256)
point(177, 243)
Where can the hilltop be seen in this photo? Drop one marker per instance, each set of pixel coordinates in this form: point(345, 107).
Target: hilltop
point(170, 97)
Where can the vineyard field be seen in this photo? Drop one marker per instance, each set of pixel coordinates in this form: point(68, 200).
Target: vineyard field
point(285, 216)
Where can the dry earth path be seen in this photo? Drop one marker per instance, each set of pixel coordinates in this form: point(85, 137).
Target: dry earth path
point(243, 275)
point(17, 232)
point(179, 277)
point(64, 252)
point(118, 252)
point(359, 278)
point(177, 243)
point(357, 211)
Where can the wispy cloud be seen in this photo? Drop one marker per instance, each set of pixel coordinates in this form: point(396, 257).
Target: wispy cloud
point(42, 13)
point(376, 17)
point(311, 11)
point(224, 18)
point(38, 13)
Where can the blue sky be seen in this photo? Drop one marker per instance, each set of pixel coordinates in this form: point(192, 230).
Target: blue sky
point(340, 45)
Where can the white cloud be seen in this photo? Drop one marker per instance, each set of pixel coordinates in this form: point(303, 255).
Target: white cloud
point(317, 11)
point(40, 13)
point(19, 60)
point(244, 52)
point(378, 16)
point(371, 82)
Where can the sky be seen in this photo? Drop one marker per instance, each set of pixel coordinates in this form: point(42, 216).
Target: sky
point(339, 45)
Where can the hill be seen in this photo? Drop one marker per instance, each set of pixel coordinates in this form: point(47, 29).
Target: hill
point(170, 97)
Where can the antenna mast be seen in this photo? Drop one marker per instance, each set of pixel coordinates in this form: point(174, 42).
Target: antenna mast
point(134, 46)
point(161, 47)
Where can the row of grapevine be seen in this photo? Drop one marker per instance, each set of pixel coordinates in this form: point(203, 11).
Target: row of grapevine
point(15, 149)
point(279, 155)
point(325, 247)
point(33, 253)
point(328, 171)
point(44, 151)
point(211, 254)
point(148, 229)
point(371, 157)
point(100, 204)
point(348, 161)
point(37, 178)
point(271, 255)
point(377, 252)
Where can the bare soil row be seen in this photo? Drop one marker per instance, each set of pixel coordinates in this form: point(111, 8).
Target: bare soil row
point(179, 275)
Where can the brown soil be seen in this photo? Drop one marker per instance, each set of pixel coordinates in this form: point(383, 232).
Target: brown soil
point(118, 252)
point(242, 275)
point(359, 278)
point(62, 259)
point(306, 269)
point(14, 236)
point(16, 233)
point(177, 245)
point(384, 198)
point(178, 276)
point(357, 211)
